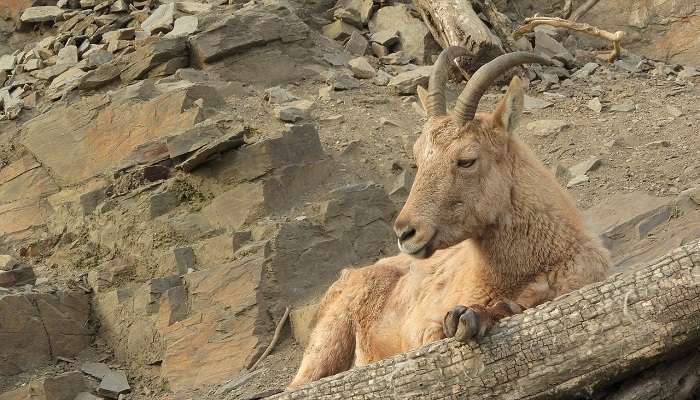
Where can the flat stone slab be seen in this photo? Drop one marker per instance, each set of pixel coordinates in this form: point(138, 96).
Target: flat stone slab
point(114, 384)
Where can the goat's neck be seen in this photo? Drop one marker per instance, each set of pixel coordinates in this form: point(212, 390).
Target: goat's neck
point(541, 229)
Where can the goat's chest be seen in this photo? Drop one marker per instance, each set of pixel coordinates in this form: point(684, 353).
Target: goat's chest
point(414, 311)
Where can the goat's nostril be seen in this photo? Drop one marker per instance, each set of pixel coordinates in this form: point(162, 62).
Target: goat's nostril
point(407, 234)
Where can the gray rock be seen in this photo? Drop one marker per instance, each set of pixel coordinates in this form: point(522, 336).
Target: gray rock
point(402, 186)
point(584, 167)
point(547, 46)
point(97, 58)
point(627, 65)
point(68, 55)
point(248, 27)
point(294, 111)
point(357, 44)
point(577, 180)
point(162, 203)
point(184, 26)
point(42, 14)
point(397, 58)
point(184, 259)
point(547, 127)
point(625, 106)
point(345, 82)
point(119, 6)
point(382, 78)
point(594, 105)
point(114, 384)
point(7, 262)
point(354, 12)
point(378, 50)
point(585, 71)
point(414, 37)
point(386, 38)
point(232, 139)
point(523, 44)
point(533, 103)
point(338, 30)
point(103, 75)
point(406, 82)
point(7, 62)
point(95, 369)
point(20, 275)
point(361, 68)
point(65, 82)
point(119, 34)
point(334, 59)
point(278, 95)
point(161, 20)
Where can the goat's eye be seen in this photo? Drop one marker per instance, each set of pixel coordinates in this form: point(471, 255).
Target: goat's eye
point(466, 163)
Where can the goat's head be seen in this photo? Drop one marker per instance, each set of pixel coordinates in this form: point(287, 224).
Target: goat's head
point(464, 180)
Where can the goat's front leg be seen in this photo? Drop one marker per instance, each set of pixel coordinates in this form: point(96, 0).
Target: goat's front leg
point(469, 323)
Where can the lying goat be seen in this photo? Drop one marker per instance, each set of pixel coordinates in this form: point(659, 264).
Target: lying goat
point(486, 232)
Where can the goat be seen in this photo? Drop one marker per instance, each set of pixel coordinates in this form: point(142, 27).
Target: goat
point(486, 232)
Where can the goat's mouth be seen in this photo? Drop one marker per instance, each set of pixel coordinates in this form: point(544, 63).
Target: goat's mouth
point(421, 251)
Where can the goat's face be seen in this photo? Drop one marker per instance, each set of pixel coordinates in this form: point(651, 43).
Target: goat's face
point(464, 176)
point(463, 181)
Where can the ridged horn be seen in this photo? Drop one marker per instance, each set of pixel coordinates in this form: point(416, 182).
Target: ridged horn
point(436, 103)
point(468, 100)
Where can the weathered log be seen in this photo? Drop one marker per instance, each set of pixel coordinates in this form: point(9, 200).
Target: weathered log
point(574, 346)
point(456, 23)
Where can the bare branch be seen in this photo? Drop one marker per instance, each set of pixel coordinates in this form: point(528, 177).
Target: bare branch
point(275, 339)
point(615, 38)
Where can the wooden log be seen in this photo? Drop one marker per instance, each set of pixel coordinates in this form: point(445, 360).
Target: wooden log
point(574, 346)
point(456, 23)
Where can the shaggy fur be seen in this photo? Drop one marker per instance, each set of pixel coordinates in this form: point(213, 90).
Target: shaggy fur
point(486, 225)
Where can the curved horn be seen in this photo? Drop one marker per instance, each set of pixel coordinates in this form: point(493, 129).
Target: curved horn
point(468, 100)
point(435, 103)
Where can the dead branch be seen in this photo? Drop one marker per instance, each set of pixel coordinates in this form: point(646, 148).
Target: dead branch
point(615, 38)
point(275, 339)
point(576, 346)
point(583, 9)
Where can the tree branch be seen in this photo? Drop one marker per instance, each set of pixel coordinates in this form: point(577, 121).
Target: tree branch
point(574, 346)
point(615, 38)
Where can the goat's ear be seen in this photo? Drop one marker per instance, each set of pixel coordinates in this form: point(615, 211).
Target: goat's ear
point(422, 96)
point(510, 108)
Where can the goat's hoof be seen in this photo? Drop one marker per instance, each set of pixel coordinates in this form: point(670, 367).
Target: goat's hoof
point(464, 323)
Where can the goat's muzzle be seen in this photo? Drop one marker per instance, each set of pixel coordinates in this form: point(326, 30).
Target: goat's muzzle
point(414, 238)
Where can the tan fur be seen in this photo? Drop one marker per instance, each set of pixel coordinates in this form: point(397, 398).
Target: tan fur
point(494, 236)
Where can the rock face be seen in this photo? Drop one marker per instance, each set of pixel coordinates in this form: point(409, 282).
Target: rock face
point(38, 327)
point(248, 27)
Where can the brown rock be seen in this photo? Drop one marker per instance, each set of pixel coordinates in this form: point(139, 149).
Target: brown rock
point(37, 327)
point(79, 147)
point(150, 56)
